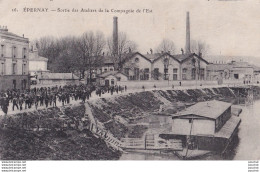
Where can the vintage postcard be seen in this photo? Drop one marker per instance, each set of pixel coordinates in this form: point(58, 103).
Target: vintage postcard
point(129, 80)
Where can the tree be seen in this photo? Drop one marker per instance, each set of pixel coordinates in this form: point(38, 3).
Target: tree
point(199, 47)
point(66, 61)
point(166, 45)
point(125, 45)
point(90, 48)
point(47, 47)
point(69, 54)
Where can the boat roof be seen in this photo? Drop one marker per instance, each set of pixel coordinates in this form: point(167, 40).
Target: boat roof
point(208, 109)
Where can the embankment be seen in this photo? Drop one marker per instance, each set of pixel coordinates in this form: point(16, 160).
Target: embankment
point(66, 132)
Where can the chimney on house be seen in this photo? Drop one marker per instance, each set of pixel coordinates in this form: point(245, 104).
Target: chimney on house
point(182, 51)
point(151, 50)
point(187, 47)
point(115, 36)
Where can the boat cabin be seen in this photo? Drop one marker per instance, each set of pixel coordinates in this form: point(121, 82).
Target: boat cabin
point(208, 124)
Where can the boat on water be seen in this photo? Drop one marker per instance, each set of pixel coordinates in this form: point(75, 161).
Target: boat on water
point(199, 130)
point(203, 129)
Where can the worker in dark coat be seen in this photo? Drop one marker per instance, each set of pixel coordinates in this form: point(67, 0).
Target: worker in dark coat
point(5, 105)
point(15, 103)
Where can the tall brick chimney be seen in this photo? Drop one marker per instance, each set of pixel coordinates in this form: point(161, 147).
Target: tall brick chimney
point(187, 47)
point(115, 36)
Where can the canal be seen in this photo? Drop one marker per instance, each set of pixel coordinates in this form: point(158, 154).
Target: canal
point(246, 146)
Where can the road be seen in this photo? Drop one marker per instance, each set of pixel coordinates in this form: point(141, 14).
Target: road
point(107, 95)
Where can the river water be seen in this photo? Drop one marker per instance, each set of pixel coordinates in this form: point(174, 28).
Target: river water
point(246, 147)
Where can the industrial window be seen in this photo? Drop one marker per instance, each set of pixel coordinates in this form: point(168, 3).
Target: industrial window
point(166, 76)
point(193, 73)
point(175, 70)
point(146, 74)
point(202, 75)
point(174, 77)
point(156, 73)
point(136, 74)
point(111, 69)
point(184, 71)
point(105, 70)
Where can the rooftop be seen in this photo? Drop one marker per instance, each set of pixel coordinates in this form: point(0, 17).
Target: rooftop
point(209, 109)
point(229, 66)
point(4, 31)
point(33, 56)
point(153, 57)
point(181, 57)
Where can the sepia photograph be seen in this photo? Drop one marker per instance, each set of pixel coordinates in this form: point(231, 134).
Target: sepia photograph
point(129, 80)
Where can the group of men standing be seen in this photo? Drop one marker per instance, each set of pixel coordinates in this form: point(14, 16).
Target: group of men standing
point(48, 96)
point(44, 96)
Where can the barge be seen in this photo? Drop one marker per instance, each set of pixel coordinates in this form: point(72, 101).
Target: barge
point(204, 128)
point(200, 130)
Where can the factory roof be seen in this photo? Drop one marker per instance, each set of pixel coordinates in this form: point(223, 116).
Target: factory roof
point(208, 109)
point(183, 57)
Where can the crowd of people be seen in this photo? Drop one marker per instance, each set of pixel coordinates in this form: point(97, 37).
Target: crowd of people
point(48, 96)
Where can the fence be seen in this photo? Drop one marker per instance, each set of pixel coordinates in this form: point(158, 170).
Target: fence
point(150, 142)
point(132, 85)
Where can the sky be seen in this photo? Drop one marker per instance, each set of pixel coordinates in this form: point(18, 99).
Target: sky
point(230, 28)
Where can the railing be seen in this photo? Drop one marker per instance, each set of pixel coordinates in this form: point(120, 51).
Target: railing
point(151, 144)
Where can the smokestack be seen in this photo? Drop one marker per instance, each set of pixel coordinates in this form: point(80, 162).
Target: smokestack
point(115, 36)
point(187, 48)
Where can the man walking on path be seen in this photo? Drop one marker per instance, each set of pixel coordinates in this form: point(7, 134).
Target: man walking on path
point(15, 101)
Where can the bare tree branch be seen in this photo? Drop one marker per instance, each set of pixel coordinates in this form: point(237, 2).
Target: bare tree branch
point(166, 46)
point(199, 47)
